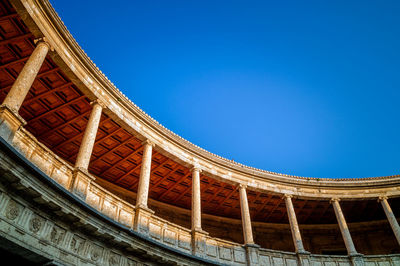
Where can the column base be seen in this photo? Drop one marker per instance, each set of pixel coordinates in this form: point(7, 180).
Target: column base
point(80, 182)
point(357, 259)
point(252, 254)
point(303, 258)
point(199, 242)
point(142, 217)
point(10, 122)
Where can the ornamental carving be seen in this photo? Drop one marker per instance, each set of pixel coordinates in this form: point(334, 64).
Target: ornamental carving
point(95, 253)
point(132, 263)
point(35, 224)
point(13, 210)
point(56, 235)
point(76, 244)
point(114, 259)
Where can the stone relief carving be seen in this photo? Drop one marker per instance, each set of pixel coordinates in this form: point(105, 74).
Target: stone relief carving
point(96, 253)
point(13, 210)
point(76, 244)
point(56, 235)
point(114, 259)
point(35, 224)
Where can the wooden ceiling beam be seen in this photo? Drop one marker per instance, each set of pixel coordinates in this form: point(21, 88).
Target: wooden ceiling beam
point(173, 184)
point(216, 192)
point(116, 165)
point(68, 122)
point(139, 149)
point(57, 108)
point(259, 209)
point(44, 94)
point(323, 212)
point(15, 39)
point(123, 143)
point(151, 172)
point(80, 134)
point(227, 197)
point(106, 136)
point(177, 166)
point(132, 170)
point(6, 17)
point(273, 209)
point(20, 60)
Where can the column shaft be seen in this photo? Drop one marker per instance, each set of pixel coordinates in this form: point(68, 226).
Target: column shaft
point(246, 221)
point(196, 200)
point(24, 81)
point(144, 180)
point(391, 218)
point(86, 148)
point(294, 226)
point(348, 241)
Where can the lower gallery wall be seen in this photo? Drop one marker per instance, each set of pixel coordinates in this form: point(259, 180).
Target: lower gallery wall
point(370, 238)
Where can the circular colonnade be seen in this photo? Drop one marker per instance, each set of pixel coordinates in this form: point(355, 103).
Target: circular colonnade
point(168, 172)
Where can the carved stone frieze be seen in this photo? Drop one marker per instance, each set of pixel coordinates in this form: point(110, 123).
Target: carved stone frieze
point(35, 224)
point(96, 252)
point(13, 210)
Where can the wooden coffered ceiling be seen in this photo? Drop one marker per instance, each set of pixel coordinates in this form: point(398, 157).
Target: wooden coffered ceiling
point(57, 113)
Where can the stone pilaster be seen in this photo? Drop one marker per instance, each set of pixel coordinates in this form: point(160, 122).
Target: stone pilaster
point(303, 258)
point(348, 241)
point(252, 254)
point(246, 221)
point(144, 179)
point(357, 259)
point(294, 227)
point(10, 122)
point(89, 137)
point(199, 238)
point(391, 218)
point(142, 218)
point(80, 183)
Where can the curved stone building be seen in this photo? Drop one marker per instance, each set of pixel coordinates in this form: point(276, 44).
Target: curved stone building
point(86, 177)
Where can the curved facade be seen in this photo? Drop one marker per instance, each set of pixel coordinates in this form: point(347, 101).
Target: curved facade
point(89, 178)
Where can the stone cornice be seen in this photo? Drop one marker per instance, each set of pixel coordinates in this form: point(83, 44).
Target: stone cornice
point(46, 23)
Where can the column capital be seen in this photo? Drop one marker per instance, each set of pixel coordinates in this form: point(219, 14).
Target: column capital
point(196, 169)
point(99, 102)
point(148, 142)
point(382, 198)
point(44, 41)
point(242, 186)
point(334, 200)
point(287, 196)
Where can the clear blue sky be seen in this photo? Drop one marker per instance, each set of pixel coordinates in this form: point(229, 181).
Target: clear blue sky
point(309, 88)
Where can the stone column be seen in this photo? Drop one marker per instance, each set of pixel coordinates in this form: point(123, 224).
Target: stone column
point(348, 241)
point(391, 218)
point(144, 179)
point(198, 235)
point(81, 177)
point(23, 83)
point(89, 137)
point(142, 212)
point(196, 200)
point(252, 250)
point(294, 227)
point(246, 221)
point(10, 121)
